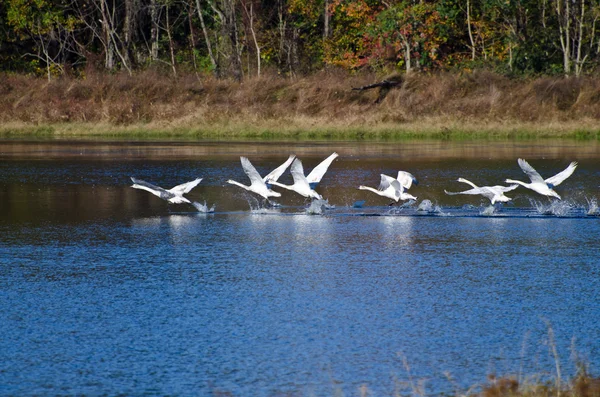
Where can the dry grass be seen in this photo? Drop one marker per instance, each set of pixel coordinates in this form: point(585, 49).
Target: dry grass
point(323, 104)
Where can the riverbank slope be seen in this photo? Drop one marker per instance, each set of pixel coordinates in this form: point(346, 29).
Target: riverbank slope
point(322, 106)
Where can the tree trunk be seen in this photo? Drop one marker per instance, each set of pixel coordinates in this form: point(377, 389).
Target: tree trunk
point(251, 17)
point(470, 30)
point(154, 33)
point(109, 57)
point(170, 37)
point(213, 61)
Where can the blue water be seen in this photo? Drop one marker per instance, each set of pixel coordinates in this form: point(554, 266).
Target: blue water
point(106, 290)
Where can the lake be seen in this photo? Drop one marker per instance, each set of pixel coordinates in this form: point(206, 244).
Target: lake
point(109, 290)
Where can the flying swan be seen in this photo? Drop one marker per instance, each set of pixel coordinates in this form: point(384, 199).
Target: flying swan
point(493, 193)
point(257, 184)
point(540, 185)
point(390, 187)
point(301, 184)
point(173, 195)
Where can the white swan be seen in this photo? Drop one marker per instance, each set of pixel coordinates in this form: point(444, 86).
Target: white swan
point(301, 184)
point(315, 176)
point(493, 193)
point(538, 184)
point(277, 172)
point(173, 195)
point(391, 188)
point(257, 184)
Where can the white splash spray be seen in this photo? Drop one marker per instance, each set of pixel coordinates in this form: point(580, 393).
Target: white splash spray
point(203, 207)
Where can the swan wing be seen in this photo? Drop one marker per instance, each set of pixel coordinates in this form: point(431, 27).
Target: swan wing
point(297, 172)
point(533, 175)
point(505, 189)
point(406, 179)
point(155, 190)
point(474, 191)
point(561, 176)
point(251, 172)
point(277, 172)
point(317, 173)
point(185, 187)
point(387, 181)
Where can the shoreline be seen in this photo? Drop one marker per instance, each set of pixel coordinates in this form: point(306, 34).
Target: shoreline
point(268, 131)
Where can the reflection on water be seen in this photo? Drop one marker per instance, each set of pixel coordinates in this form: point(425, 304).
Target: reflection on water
point(108, 290)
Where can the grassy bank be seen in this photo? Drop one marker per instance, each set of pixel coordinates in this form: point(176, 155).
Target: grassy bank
point(322, 106)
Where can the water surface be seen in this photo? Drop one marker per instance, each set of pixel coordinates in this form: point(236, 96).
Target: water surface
point(108, 290)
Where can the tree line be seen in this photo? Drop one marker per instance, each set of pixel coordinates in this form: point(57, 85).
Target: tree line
point(242, 38)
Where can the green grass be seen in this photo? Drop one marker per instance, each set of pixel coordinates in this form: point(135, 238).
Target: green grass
point(233, 132)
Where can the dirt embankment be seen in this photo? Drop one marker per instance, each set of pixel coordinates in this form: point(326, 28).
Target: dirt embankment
point(422, 104)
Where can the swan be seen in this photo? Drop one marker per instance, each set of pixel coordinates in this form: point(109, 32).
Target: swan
point(315, 176)
point(540, 185)
point(391, 188)
point(257, 184)
point(493, 193)
point(277, 172)
point(301, 184)
point(173, 195)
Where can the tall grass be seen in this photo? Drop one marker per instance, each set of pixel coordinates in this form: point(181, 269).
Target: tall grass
point(322, 105)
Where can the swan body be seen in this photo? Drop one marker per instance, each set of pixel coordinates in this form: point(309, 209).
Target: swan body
point(540, 185)
point(391, 188)
point(494, 193)
point(315, 176)
point(257, 184)
point(301, 184)
point(173, 195)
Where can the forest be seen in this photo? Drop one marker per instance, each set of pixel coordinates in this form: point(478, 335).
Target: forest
point(238, 39)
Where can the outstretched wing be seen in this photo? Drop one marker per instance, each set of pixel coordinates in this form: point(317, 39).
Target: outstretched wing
point(530, 171)
point(251, 171)
point(185, 187)
point(155, 190)
point(505, 189)
point(297, 172)
point(277, 172)
point(561, 176)
point(474, 191)
point(317, 173)
point(387, 181)
point(406, 179)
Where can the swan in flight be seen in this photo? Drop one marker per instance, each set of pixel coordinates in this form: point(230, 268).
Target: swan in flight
point(315, 176)
point(257, 184)
point(274, 175)
point(540, 185)
point(173, 195)
point(391, 188)
point(493, 193)
point(301, 184)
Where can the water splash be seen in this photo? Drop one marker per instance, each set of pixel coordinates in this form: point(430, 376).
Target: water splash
point(592, 208)
point(488, 211)
point(428, 207)
point(556, 208)
point(317, 207)
point(203, 207)
point(425, 206)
